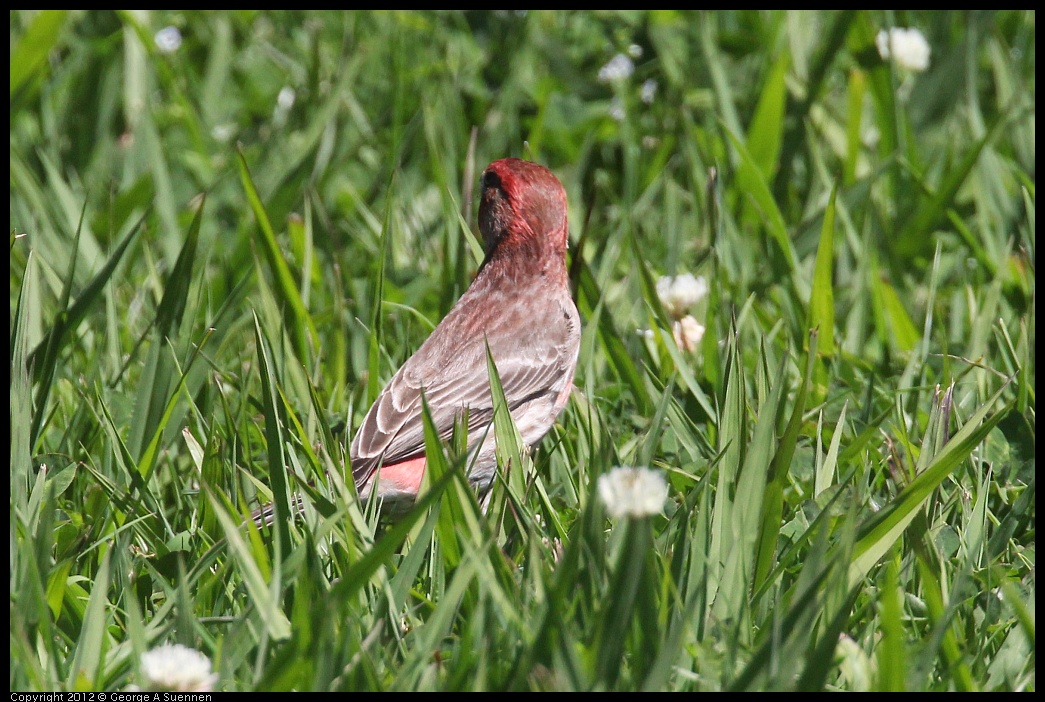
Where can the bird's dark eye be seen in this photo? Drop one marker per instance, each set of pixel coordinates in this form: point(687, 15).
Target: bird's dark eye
point(491, 180)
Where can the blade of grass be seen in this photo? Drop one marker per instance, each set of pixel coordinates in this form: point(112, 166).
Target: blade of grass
point(777, 478)
point(21, 391)
point(891, 650)
point(86, 667)
point(54, 339)
point(758, 191)
point(270, 614)
point(29, 54)
point(152, 395)
point(740, 561)
point(374, 357)
point(765, 132)
point(299, 324)
point(914, 234)
point(881, 531)
point(822, 298)
point(274, 439)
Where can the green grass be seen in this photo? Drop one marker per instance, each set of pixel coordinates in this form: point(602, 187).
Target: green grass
point(211, 282)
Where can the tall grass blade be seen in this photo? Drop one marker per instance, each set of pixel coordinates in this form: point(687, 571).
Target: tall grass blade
point(299, 324)
point(880, 532)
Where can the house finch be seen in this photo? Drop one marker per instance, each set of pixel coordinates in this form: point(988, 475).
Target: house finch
point(519, 305)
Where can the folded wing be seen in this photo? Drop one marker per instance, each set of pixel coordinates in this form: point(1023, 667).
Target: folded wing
point(450, 371)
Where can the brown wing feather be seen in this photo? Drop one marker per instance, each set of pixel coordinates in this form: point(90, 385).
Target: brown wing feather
point(450, 369)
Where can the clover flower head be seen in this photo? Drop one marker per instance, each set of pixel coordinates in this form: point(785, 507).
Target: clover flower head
point(688, 332)
point(633, 492)
point(618, 68)
point(168, 40)
point(681, 292)
point(908, 48)
point(176, 668)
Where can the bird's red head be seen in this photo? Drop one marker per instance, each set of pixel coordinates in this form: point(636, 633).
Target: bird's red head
point(523, 204)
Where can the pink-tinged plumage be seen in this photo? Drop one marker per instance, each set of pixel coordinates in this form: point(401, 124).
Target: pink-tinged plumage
point(519, 304)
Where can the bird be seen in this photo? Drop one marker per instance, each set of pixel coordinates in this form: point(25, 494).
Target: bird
point(519, 307)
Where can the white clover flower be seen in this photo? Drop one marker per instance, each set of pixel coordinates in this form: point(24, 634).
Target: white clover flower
point(907, 47)
point(223, 132)
point(633, 492)
point(619, 68)
point(688, 332)
point(285, 99)
point(635, 51)
point(168, 40)
point(176, 668)
point(649, 91)
point(617, 109)
point(681, 292)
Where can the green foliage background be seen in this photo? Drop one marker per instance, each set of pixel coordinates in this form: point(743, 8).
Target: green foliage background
point(219, 253)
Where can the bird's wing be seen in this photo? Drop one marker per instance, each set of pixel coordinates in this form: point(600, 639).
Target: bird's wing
point(450, 370)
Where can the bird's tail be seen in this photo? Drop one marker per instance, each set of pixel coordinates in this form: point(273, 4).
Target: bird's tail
point(266, 513)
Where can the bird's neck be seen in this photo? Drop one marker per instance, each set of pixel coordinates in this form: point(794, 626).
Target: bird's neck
point(517, 258)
